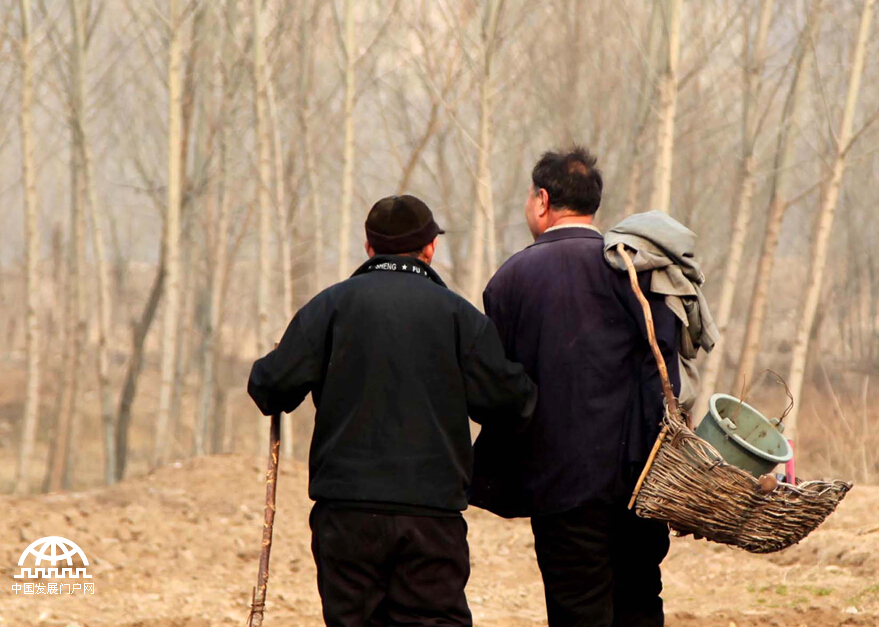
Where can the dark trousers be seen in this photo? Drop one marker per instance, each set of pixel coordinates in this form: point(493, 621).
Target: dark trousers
point(600, 567)
point(387, 569)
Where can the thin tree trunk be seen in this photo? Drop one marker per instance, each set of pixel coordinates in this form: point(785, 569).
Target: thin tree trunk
point(777, 204)
point(633, 187)
point(642, 114)
point(262, 196)
point(570, 93)
point(306, 75)
point(81, 148)
point(825, 218)
point(415, 155)
point(108, 418)
point(204, 166)
point(668, 97)
point(68, 418)
point(32, 251)
point(486, 191)
point(483, 213)
point(349, 46)
point(185, 318)
point(754, 62)
point(284, 235)
point(184, 327)
point(316, 212)
point(219, 266)
point(284, 230)
point(135, 365)
point(172, 239)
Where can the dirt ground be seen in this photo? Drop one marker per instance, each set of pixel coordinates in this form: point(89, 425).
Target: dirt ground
point(179, 548)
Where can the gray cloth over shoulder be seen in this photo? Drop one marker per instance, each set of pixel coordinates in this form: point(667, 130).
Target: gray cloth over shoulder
point(667, 247)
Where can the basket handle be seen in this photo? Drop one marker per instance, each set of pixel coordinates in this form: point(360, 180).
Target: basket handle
point(651, 332)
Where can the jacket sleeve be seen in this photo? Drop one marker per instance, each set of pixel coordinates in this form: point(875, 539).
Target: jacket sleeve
point(281, 380)
point(497, 389)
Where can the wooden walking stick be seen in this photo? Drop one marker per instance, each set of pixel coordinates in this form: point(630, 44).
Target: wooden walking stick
point(258, 603)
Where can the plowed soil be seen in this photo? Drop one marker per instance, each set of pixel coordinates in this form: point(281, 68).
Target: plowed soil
point(179, 548)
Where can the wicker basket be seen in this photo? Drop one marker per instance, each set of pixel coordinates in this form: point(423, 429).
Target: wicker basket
point(687, 484)
point(690, 487)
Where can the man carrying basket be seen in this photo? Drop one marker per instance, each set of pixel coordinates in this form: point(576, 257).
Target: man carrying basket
point(577, 327)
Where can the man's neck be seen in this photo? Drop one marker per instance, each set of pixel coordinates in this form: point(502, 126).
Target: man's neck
point(571, 218)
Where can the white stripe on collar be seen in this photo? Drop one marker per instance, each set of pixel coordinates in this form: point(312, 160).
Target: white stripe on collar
point(575, 226)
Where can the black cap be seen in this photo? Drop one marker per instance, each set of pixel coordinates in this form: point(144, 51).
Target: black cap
point(400, 224)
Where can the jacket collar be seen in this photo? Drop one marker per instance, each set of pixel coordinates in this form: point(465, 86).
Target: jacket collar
point(398, 263)
point(556, 235)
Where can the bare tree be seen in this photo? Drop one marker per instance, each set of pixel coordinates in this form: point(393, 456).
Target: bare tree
point(753, 62)
point(432, 66)
point(642, 113)
point(778, 202)
point(263, 180)
point(32, 251)
point(218, 251)
point(172, 238)
point(63, 447)
point(465, 95)
point(668, 98)
point(825, 218)
point(349, 50)
point(483, 212)
point(306, 85)
point(83, 153)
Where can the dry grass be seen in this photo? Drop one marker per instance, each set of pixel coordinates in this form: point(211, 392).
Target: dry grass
point(838, 435)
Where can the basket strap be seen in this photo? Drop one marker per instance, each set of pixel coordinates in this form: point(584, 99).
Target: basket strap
point(651, 332)
point(671, 401)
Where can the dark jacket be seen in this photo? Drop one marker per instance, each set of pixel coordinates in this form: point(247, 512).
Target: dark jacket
point(576, 326)
point(395, 362)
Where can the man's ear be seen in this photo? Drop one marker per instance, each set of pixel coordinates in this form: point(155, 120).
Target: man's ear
point(370, 251)
point(428, 252)
point(544, 201)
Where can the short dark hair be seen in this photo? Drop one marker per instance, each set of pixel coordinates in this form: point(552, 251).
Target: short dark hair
point(571, 180)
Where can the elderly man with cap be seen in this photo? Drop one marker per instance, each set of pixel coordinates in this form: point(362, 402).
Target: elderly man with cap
point(395, 363)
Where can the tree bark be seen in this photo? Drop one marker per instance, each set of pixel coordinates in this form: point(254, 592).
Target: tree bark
point(68, 418)
point(668, 98)
point(284, 226)
point(284, 235)
point(263, 201)
point(32, 252)
point(139, 332)
point(483, 212)
point(81, 149)
point(218, 256)
point(306, 69)
point(172, 239)
point(825, 219)
point(349, 46)
point(642, 114)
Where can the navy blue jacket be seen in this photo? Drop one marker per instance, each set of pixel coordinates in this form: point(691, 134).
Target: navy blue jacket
point(576, 326)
